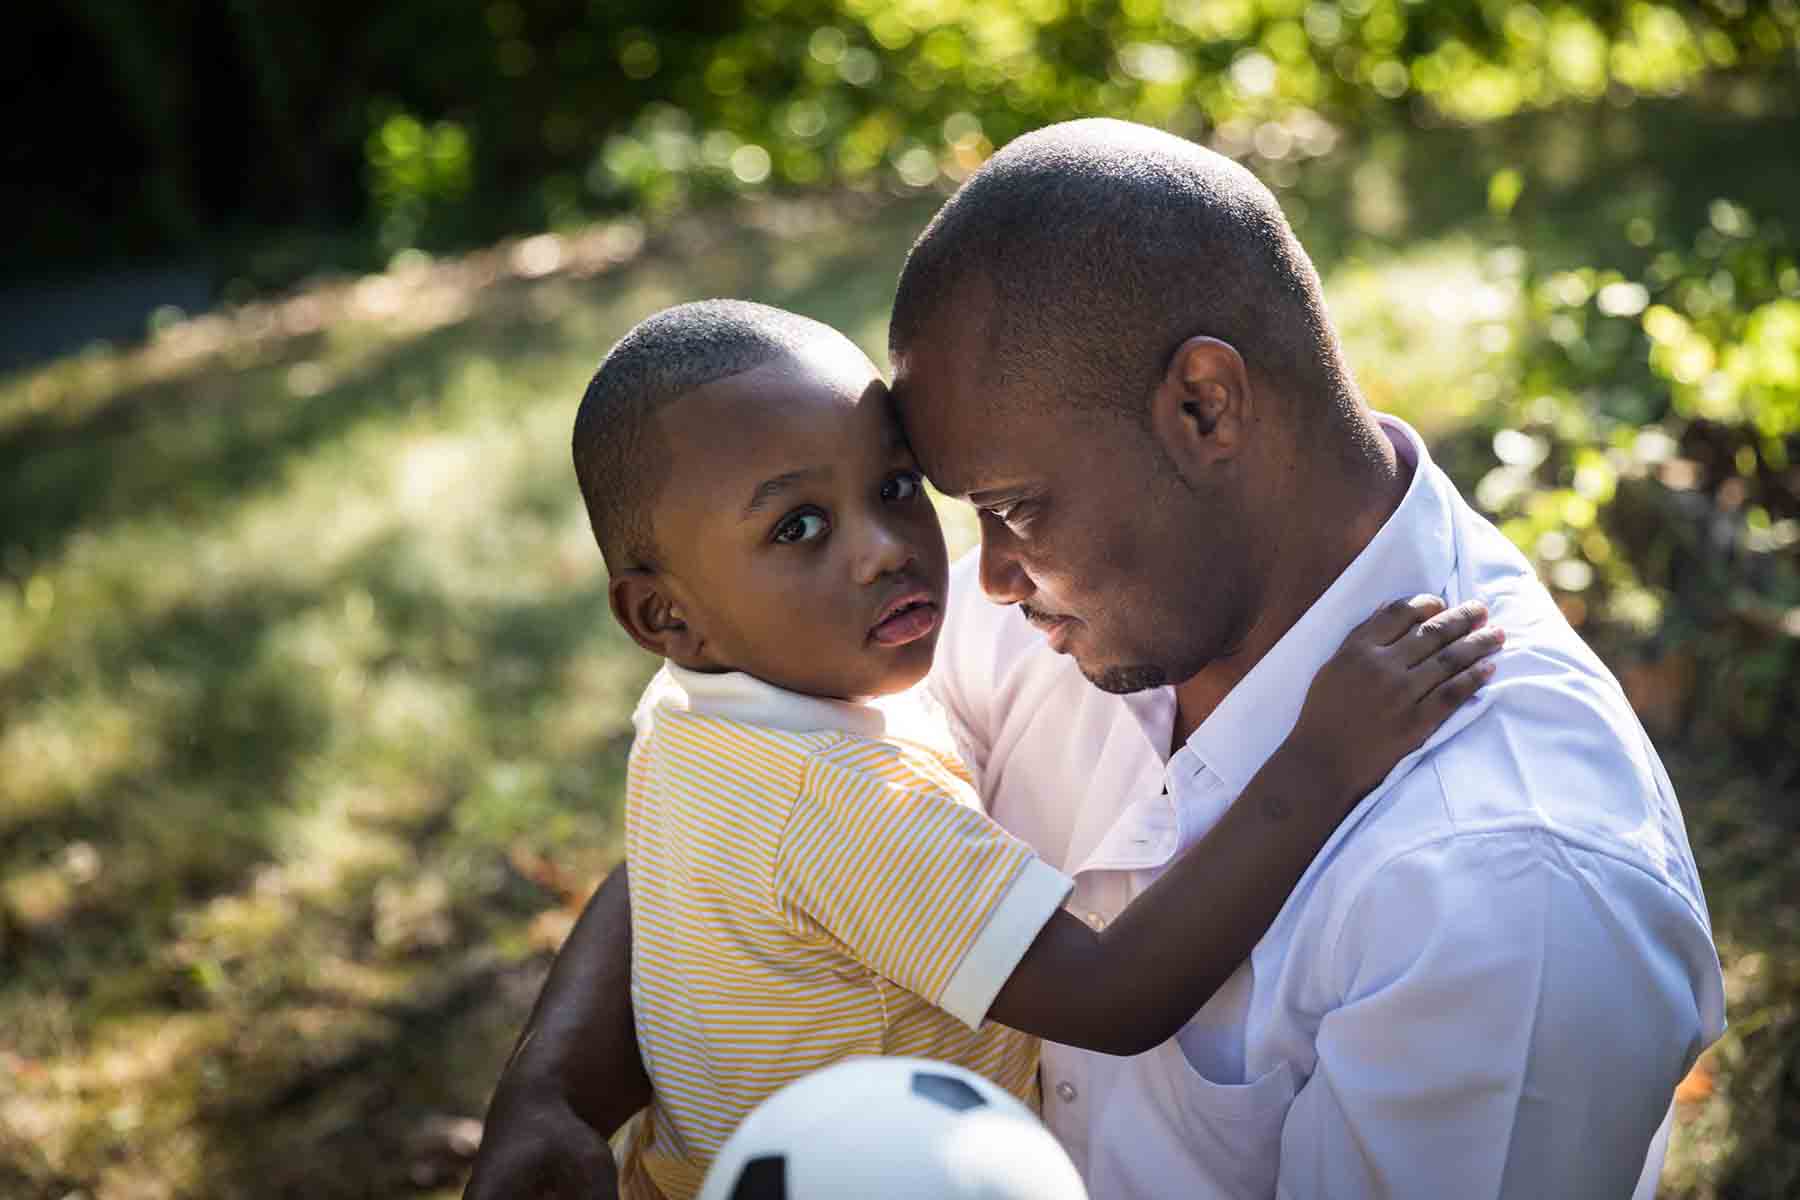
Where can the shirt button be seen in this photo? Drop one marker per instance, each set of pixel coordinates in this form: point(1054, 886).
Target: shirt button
point(1065, 1091)
point(1096, 921)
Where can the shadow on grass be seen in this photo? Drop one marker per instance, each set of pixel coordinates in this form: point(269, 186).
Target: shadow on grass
point(307, 1088)
point(1745, 848)
point(224, 731)
point(188, 447)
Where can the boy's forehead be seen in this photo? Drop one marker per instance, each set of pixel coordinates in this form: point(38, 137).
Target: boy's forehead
point(820, 372)
point(833, 360)
point(775, 415)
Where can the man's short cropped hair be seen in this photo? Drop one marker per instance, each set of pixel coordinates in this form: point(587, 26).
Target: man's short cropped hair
point(621, 461)
point(1102, 246)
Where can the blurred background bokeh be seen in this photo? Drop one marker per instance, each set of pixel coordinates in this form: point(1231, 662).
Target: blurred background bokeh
point(312, 719)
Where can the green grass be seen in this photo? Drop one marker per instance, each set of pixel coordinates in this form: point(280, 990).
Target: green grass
point(306, 672)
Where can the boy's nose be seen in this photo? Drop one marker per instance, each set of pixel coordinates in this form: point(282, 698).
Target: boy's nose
point(1002, 578)
point(884, 552)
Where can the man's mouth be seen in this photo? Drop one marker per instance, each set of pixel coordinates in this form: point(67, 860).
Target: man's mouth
point(906, 618)
point(1055, 628)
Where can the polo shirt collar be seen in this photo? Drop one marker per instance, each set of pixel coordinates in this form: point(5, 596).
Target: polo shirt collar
point(1414, 552)
point(735, 696)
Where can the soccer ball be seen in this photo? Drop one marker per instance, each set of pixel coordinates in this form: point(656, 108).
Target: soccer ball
point(892, 1129)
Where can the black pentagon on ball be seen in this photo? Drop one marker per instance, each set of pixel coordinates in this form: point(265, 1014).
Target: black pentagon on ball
point(763, 1178)
point(947, 1090)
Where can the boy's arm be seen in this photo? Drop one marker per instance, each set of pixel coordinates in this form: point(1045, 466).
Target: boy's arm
point(1394, 682)
point(575, 1075)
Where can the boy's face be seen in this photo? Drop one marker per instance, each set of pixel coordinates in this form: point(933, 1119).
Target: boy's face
point(796, 539)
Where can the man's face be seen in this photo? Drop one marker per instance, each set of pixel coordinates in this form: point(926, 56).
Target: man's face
point(1084, 524)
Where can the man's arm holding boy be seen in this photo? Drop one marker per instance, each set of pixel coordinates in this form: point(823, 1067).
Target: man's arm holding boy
point(575, 1075)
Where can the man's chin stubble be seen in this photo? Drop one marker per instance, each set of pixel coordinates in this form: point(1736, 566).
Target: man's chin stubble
point(1121, 681)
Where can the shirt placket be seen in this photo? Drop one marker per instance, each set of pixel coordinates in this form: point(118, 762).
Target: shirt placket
point(1064, 1076)
point(1074, 1082)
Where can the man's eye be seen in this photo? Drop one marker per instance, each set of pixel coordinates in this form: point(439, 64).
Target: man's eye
point(1014, 516)
point(903, 486)
point(801, 527)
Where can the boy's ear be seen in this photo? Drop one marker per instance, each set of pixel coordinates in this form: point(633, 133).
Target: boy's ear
point(1201, 406)
point(642, 604)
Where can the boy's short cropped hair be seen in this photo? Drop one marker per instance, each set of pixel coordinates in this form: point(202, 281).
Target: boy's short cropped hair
point(621, 460)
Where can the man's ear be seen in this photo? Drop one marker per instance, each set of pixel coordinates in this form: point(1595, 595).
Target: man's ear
point(642, 603)
point(1202, 405)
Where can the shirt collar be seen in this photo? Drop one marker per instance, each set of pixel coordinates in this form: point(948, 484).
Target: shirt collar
point(735, 696)
point(1414, 552)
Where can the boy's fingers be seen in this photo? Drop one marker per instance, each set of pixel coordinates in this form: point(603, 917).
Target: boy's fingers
point(1431, 636)
point(1397, 618)
point(1455, 658)
point(1450, 695)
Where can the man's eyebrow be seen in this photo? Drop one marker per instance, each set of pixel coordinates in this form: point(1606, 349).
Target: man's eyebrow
point(996, 494)
point(768, 489)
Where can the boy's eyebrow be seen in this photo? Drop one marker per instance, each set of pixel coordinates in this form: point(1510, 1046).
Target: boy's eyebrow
point(768, 489)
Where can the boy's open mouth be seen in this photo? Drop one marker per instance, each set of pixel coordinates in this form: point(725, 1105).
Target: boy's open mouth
point(906, 618)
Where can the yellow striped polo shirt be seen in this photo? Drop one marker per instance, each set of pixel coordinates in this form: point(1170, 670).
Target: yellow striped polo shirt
point(810, 879)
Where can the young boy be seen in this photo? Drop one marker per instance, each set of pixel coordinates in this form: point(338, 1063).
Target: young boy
point(812, 876)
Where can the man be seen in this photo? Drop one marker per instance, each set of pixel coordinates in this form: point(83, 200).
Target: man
point(1490, 981)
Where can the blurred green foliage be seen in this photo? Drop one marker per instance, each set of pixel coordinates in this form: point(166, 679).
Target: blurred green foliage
point(414, 169)
point(1647, 454)
point(912, 91)
point(424, 124)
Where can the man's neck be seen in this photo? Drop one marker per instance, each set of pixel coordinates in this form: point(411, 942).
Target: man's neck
point(1314, 553)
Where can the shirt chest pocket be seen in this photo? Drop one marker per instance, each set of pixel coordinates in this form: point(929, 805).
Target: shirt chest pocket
point(1170, 1131)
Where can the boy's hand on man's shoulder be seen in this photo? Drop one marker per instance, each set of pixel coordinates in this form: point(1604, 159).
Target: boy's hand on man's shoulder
point(1396, 678)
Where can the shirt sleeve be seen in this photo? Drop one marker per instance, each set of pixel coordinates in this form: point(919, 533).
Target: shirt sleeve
point(1516, 1012)
point(914, 882)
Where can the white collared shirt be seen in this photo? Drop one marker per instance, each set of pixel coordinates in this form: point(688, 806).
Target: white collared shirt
point(1489, 981)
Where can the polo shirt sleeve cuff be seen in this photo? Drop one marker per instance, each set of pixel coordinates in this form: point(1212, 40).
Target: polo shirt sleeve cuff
point(1011, 928)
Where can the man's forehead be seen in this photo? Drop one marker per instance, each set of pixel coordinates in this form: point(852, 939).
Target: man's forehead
point(961, 418)
point(957, 329)
point(964, 448)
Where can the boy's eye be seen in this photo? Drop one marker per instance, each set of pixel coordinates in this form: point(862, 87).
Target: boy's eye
point(903, 486)
point(801, 527)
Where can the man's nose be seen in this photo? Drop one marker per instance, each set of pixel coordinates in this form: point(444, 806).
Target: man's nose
point(1002, 578)
point(884, 551)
